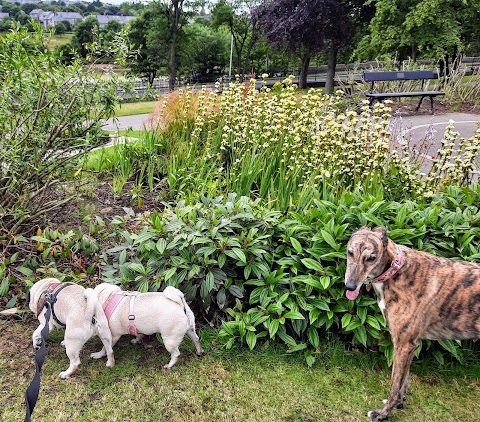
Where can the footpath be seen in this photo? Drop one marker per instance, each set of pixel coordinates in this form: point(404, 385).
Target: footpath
point(417, 128)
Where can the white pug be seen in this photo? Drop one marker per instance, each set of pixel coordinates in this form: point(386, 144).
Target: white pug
point(164, 312)
point(78, 311)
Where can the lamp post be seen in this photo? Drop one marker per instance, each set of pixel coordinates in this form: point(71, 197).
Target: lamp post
point(231, 55)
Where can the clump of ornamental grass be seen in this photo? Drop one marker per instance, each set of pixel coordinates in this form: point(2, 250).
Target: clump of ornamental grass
point(284, 147)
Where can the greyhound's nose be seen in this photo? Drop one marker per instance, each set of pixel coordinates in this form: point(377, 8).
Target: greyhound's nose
point(350, 285)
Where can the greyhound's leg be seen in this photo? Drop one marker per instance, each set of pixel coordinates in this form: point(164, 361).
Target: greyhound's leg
point(403, 356)
point(403, 391)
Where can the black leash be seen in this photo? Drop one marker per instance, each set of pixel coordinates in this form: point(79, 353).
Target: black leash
point(31, 395)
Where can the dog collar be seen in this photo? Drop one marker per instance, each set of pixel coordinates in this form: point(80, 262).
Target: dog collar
point(395, 266)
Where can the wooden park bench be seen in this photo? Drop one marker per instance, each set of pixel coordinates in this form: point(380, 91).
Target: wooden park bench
point(401, 76)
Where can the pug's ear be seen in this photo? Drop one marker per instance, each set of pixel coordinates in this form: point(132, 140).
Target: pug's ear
point(382, 232)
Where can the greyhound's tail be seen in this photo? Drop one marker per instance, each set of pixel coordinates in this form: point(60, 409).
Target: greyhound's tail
point(177, 296)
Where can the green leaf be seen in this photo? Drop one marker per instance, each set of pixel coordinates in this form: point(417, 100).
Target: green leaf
point(373, 322)
point(361, 334)
point(236, 291)
point(25, 271)
point(161, 245)
point(251, 338)
point(167, 275)
point(4, 286)
point(296, 244)
point(294, 315)
point(346, 320)
point(329, 239)
point(297, 348)
point(451, 347)
point(311, 264)
point(137, 267)
point(313, 337)
point(273, 327)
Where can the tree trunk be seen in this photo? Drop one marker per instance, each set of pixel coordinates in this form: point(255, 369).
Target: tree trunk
point(302, 80)
point(253, 40)
point(332, 64)
point(172, 62)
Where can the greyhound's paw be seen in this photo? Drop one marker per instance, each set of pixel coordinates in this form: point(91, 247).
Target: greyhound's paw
point(97, 355)
point(377, 415)
point(167, 367)
point(63, 375)
point(398, 406)
point(110, 363)
point(200, 352)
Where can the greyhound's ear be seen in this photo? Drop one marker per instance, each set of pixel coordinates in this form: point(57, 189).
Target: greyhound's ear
point(382, 232)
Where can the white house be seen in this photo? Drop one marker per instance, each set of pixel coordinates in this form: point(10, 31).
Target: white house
point(52, 18)
point(104, 19)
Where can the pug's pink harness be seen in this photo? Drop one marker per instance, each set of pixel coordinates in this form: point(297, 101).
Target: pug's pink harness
point(113, 302)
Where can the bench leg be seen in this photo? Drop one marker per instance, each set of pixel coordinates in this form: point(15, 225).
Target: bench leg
point(432, 107)
point(419, 103)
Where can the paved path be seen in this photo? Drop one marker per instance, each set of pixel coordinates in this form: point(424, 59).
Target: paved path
point(136, 122)
point(417, 126)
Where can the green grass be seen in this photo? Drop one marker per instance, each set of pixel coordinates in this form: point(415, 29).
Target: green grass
point(58, 40)
point(265, 385)
point(130, 109)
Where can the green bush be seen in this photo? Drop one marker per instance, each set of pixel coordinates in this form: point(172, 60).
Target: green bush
point(267, 277)
point(50, 117)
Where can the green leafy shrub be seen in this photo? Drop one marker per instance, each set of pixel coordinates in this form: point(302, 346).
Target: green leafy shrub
point(50, 116)
point(265, 277)
point(208, 250)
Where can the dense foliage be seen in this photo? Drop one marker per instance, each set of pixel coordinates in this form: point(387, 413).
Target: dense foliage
point(269, 277)
point(50, 116)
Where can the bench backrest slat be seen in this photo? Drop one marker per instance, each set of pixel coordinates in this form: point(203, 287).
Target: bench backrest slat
point(398, 76)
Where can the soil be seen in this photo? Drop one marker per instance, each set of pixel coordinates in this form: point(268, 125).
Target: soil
point(97, 199)
point(407, 108)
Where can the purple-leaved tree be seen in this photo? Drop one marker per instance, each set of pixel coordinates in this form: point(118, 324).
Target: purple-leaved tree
point(307, 27)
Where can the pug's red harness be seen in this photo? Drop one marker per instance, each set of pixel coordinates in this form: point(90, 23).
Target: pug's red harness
point(50, 296)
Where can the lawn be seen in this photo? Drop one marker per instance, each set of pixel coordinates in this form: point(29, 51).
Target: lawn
point(238, 385)
point(58, 40)
point(130, 109)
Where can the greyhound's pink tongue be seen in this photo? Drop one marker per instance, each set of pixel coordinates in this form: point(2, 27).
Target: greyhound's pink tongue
point(352, 295)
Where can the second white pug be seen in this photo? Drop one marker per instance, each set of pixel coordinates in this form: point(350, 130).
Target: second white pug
point(141, 314)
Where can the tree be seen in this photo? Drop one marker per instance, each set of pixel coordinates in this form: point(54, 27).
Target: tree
point(83, 34)
point(237, 16)
point(306, 27)
point(52, 116)
point(430, 28)
point(204, 50)
point(148, 35)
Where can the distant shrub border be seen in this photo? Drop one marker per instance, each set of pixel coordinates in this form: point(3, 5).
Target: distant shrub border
point(260, 276)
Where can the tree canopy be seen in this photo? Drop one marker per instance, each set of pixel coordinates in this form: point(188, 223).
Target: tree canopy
point(305, 27)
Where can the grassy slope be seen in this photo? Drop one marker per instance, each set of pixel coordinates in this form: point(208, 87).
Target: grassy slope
point(130, 109)
point(58, 40)
point(234, 386)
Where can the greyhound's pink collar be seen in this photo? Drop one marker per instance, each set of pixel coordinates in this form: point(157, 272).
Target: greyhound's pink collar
point(395, 266)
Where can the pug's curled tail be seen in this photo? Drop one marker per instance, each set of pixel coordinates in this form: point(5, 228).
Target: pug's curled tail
point(177, 296)
point(95, 310)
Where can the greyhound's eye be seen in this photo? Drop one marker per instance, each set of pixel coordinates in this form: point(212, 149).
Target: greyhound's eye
point(370, 258)
point(350, 253)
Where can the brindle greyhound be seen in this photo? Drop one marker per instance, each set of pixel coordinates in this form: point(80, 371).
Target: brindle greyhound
point(422, 296)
